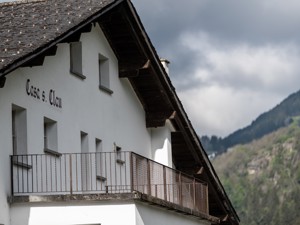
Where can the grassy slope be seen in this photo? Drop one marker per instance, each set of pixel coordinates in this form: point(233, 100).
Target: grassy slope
point(262, 178)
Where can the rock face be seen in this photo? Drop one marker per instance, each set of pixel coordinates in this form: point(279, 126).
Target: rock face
point(262, 178)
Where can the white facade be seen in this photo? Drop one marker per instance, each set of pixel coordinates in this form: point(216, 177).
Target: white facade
point(104, 213)
point(86, 119)
point(117, 118)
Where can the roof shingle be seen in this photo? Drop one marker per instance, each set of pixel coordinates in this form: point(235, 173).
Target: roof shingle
point(28, 25)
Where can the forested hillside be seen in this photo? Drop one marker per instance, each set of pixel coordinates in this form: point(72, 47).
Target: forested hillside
point(262, 178)
point(278, 117)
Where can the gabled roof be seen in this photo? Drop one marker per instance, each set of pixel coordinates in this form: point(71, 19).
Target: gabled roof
point(28, 26)
point(30, 30)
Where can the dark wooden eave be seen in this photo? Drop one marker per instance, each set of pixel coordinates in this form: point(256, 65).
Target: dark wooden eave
point(139, 63)
point(124, 36)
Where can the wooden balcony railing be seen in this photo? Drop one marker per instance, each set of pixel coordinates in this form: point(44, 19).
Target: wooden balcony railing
point(107, 173)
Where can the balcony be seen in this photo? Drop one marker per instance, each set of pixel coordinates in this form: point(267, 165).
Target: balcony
point(107, 174)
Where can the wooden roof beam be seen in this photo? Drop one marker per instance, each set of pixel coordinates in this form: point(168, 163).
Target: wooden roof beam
point(186, 137)
point(129, 69)
point(200, 171)
point(157, 119)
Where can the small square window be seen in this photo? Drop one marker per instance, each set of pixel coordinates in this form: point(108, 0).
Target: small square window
point(104, 78)
point(19, 137)
point(19, 130)
point(100, 163)
point(76, 59)
point(50, 136)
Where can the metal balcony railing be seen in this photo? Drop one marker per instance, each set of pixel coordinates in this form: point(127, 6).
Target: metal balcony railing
point(107, 173)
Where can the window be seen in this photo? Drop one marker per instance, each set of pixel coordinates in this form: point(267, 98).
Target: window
point(19, 136)
point(119, 155)
point(84, 142)
point(104, 74)
point(76, 59)
point(19, 130)
point(98, 143)
point(100, 162)
point(50, 137)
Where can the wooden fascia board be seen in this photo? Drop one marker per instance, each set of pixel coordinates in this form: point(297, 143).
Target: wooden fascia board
point(190, 134)
point(135, 33)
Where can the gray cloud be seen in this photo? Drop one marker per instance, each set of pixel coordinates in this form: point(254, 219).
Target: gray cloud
point(230, 60)
point(232, 20)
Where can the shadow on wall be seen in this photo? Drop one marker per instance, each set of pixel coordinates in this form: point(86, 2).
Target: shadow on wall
point(19, 214)
point(73, 212)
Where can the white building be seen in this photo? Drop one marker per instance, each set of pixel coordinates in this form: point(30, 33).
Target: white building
point(91, 129)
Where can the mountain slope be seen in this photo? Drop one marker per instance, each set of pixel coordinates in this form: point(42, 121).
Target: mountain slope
point(267, 122)
point(262, 178)
point(270, 121)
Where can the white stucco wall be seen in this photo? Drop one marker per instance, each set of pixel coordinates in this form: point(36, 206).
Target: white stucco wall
point(152, 215)
point(4, 181)
point(118, 118)
point(106, 213)
point(74, 214)
point(161, 144)
point(5, 151)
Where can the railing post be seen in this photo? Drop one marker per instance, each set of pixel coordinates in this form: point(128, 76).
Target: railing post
point(165, 183)
point(194, 194)
point(180, 190)
point(71, 181)
point(11, 175)
point(149, 177)
point(206, 195)
point(131, 172)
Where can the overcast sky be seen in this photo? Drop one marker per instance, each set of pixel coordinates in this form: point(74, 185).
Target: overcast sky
point(231, 60)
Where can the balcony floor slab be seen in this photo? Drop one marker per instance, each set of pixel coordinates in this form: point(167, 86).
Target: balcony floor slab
point(134, 196)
